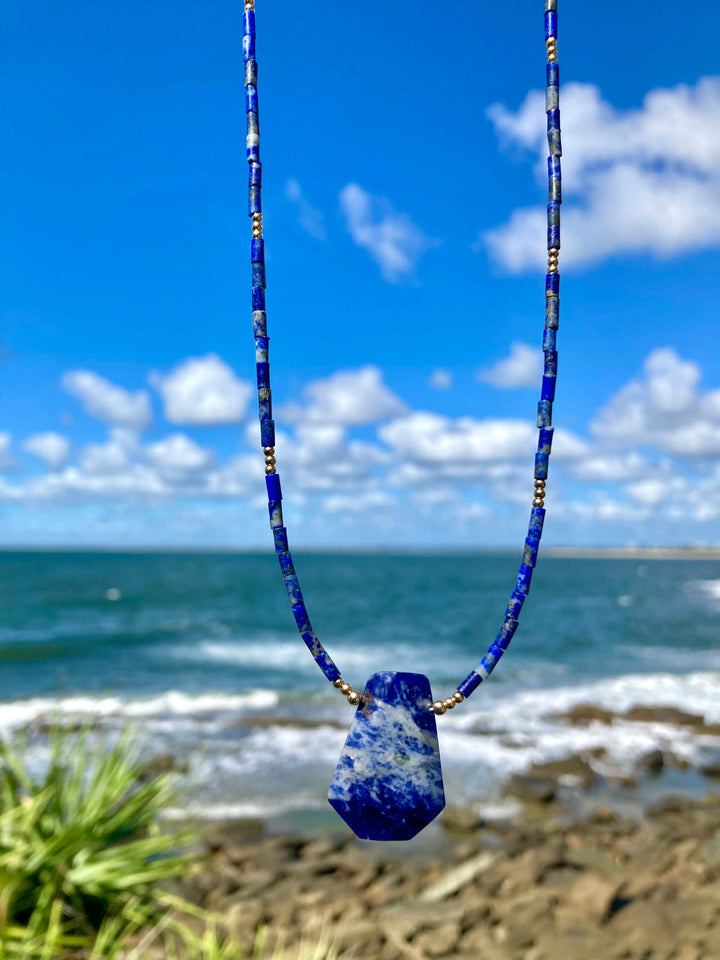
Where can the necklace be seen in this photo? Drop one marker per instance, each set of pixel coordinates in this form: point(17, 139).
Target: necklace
point(388, 782)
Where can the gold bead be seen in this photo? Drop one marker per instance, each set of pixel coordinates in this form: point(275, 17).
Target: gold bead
point(439, 707)
point(538, 502)
point(540, 484)
point(270, 461)
point(269, 470)
point(449, 703)
point(269, 451)
point(345, 688)
point(353, 698)
point(458, 697)
point(338, 683)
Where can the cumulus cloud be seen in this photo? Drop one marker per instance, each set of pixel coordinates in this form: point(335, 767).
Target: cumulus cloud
point(638, 181)
point(203, 391)
point(310, 219)
point(440, 380)
point(523, 368)
point(6, 460)
point(349, 398)
point(663, 408)
point(178, 455)
point(50, 447)
point(108, 402)
point(391, 238)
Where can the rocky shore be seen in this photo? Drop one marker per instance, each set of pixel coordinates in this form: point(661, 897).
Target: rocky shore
point(547, 884)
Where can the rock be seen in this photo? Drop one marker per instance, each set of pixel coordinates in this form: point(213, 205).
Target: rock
point(583, 714)
point(651, 762)
point(590, 858)
point(531, 789)
point(574, 766)
point(588, 901)
point(157, 765)
point(440, 942)
point(709, 852)
point(668, 805)
point(458, 877)
point(711, 770)
point(231, 833)
point(603, 815)
point(461, 819)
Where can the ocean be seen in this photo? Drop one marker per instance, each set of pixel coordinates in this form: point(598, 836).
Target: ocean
point(199, 652)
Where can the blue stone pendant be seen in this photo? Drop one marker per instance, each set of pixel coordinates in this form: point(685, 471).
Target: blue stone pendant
point(388, 783)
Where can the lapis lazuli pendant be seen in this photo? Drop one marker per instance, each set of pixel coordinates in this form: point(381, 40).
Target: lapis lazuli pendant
point(388, 783)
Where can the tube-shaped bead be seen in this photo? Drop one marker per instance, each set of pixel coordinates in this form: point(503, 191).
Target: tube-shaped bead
point(551, 361)
point(253, 147)
point(545, 439)
point(258, 298)
point(530, 552)
point(267, 434)
point(549, 340)
point(251, 73)
point(258, 274)
point(541, 466)
point(505, 634)
point(512, 611)
point(254, 201)
point(552, 98)
point(555, 189)
point(552, 312)
point(259, 320)
point(552, 74)
point(537, 519)
point(489, 661)
point(552, 284)
point(553, 225)
point(248, 43)
point(523, 578)
point(550, 24)
point(274, 490)
point(255, 174)
point(550, 5)
point(300, 612)
point(275, 511)
point(286, 561)
point(554, 142)
point(257, 250)
point(263, 375)
point(471, 682)
point(544, 413)
point(293, 587)
point(265, 407)
point(261, 349)
point(548, 388)
point(251, 98)
point(280, 538)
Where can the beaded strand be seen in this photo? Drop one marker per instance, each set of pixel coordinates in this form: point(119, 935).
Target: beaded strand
point(547, 395)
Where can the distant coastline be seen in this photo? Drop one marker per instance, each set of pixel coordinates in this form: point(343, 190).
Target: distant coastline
point(635, 553)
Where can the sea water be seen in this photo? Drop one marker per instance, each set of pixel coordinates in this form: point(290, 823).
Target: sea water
point(200, 653)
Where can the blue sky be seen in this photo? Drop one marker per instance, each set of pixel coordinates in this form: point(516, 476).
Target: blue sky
point(402, 148)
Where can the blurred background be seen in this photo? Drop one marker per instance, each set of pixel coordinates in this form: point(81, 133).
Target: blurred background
point(404, 189)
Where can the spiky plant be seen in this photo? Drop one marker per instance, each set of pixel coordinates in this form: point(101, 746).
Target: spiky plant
point(81, 844)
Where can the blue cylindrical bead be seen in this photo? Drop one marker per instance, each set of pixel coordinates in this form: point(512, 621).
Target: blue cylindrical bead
point(523, 579)
point(251, 98)
point(554, 142)
point(257, 250)
point(253, 150)
point(505, 634)
point(548, 388)
point(551, 362)
point(552, 312)
point(258, 298)
point(259, 319)
point(552, 74)
point(254, 201)
point(265, 406)
point(553, 225)
point(549, 339)
point(261, 349)
point(490, 660)
point(553, 119)
point(554, 168)
point(552, 98)
point(255, 175)
point(320, 655)
point(544, 413)
point(251, 73)
point(280, 538)
point(471, 682)
point(512, 611)
point(263, 375)
point(545, 439)
point(300, 612)
point(555, 189)
point(249, 22)
point(253, 126)
point(541, 466)
point(293, 588)
point(258, 274)
point(248, 47)
point(535, 526)
point(275, 511)
point(550, 24)
point(267, 433)
point(530, 552)
point(552, 284)
point(286, 563)
point(274, 490)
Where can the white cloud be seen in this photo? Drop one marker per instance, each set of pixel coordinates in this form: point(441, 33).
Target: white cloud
point(6, 459)
point(310, 219)
point(523, 368)
point(348, 398)
point(108, 402)
point(391, 238)
point(51, 447)
point(112, 457)
point(202, 391)
point(440, 380)
point(178, 455)
point(663, 408)
point(643, 181)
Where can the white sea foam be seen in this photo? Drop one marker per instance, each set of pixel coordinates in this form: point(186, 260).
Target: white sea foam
point(708, 588)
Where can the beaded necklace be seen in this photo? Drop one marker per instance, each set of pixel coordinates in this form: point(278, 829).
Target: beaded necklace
point(388, 782)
